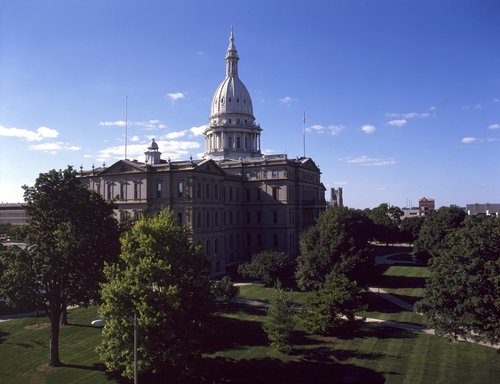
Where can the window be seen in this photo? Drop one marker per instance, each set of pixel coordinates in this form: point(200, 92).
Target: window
point(198, 191)
point(249, 240)
point(275, 193)
point(230, 217)
point(258, 217)
point(237, 142)
point(179, 218)
point(230, 194)
point(248, 217)
point(229, 120)
point(110, 191)
point(274, 173)
point(216, 191)
point(248, 195)
point(207, 249)
point(275, 240)
point(208, 220)
point(158, 189)
point(199, 220)
point(207, 191)
point(216, 219)
point(275, 217)
point(216, 246)
point(123, 191)
point(180, 189)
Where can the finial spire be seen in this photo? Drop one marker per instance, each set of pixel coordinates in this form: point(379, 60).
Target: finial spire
point(232, 56)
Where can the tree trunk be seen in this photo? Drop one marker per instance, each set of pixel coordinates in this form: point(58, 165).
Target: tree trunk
point(64, 314)
point(55, 317)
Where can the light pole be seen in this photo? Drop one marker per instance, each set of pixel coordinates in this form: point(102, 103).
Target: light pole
point(136, 380)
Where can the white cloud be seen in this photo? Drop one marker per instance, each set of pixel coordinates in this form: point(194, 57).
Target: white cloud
point(54, 147)
point(38, 135)
point(172, 149)
point(287, 100)
point(200, 53)
point(398, 123)
point(366, 161)
point(175, 135)
point(409, 115)
point(119, 123)
point(368, 128)
point(134, 139)
point(174, 96)
point(340, 183)
point(470, 140)
point(198, 131)
point(320, 129)
point(494, 126)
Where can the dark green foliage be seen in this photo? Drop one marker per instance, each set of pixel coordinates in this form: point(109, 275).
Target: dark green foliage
point(163, 278)
point(410, 228)
point(462, 295)
point(431, 237)
point(71, 232)
point(386, 221)
point(280, 320)
point(223, 290)
point(333, 306)
point(268, 266)
point(337, 242)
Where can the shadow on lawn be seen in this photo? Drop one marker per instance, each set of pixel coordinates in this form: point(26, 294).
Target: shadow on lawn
point(3, 336)
point(402, 282)
point(314, 368)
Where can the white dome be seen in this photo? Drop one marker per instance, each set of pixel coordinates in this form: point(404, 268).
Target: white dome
point(231, 96)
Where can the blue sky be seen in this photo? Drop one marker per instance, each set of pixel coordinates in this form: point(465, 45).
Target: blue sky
point(402, 98)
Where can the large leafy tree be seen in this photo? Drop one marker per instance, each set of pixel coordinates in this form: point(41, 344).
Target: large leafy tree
point(333, 305)
point(268, 266)
point(386, 221)
point(432, 235)
point(462, 294)
point(71, 232)
point(410, 228)
point(162, 280)
point(337, 242)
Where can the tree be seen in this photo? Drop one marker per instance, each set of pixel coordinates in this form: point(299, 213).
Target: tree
point(386, 221)
point(437, 225)
point(462, 294)
point(162, 279)
point(280, 319)
point(71, 232)
point(333, 305)
point(223, 290)
point(338, 241)
point(410, 228)
point(267, 265)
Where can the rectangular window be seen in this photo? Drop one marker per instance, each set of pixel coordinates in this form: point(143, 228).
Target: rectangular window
point(158, 189)
point(274, 173)
point(198, 193)
point(110, 191)
point(137, 191)
point(248, 195)
point(207, 191)
point(230, 194)
point(216, 191)
point(258, 217)
point(275, 240)
point(248, 217)
point(180, 189)
point(275, 193)
point(275, 217)
point(179, 218)
point(123, 191)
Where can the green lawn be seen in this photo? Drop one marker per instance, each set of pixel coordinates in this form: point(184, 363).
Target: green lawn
point(405, 281)
point(261, 293)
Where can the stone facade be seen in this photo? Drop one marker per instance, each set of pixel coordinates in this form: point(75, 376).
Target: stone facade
point(236, 201)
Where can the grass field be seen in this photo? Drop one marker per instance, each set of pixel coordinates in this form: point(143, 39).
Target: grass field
point(238, 353)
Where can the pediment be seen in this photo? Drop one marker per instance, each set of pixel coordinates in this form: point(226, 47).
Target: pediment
point(209, 167)
point(122, 167)
point(310, 164)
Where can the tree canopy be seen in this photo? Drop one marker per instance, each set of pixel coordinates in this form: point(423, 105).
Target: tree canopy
point(163, 279)
point(386, 221)
point(337, 242)
point(432, 235)
point(71, 232)
point(268, 266)
point(462, 294)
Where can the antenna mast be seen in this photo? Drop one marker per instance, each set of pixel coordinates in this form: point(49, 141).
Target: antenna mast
point(304, 132)
point(126, 125)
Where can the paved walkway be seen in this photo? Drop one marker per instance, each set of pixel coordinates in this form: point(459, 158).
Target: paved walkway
point(393, 299)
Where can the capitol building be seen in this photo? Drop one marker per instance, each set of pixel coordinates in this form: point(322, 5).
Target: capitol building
point(236, 200)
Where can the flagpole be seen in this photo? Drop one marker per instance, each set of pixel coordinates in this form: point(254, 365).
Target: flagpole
point(304, 131)
point(126, 125)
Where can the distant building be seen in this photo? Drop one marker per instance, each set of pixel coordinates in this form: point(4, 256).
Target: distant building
point(425, 207)
point(336, 197)
point(13, 214)
point(483, 209)
point(236, 200)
